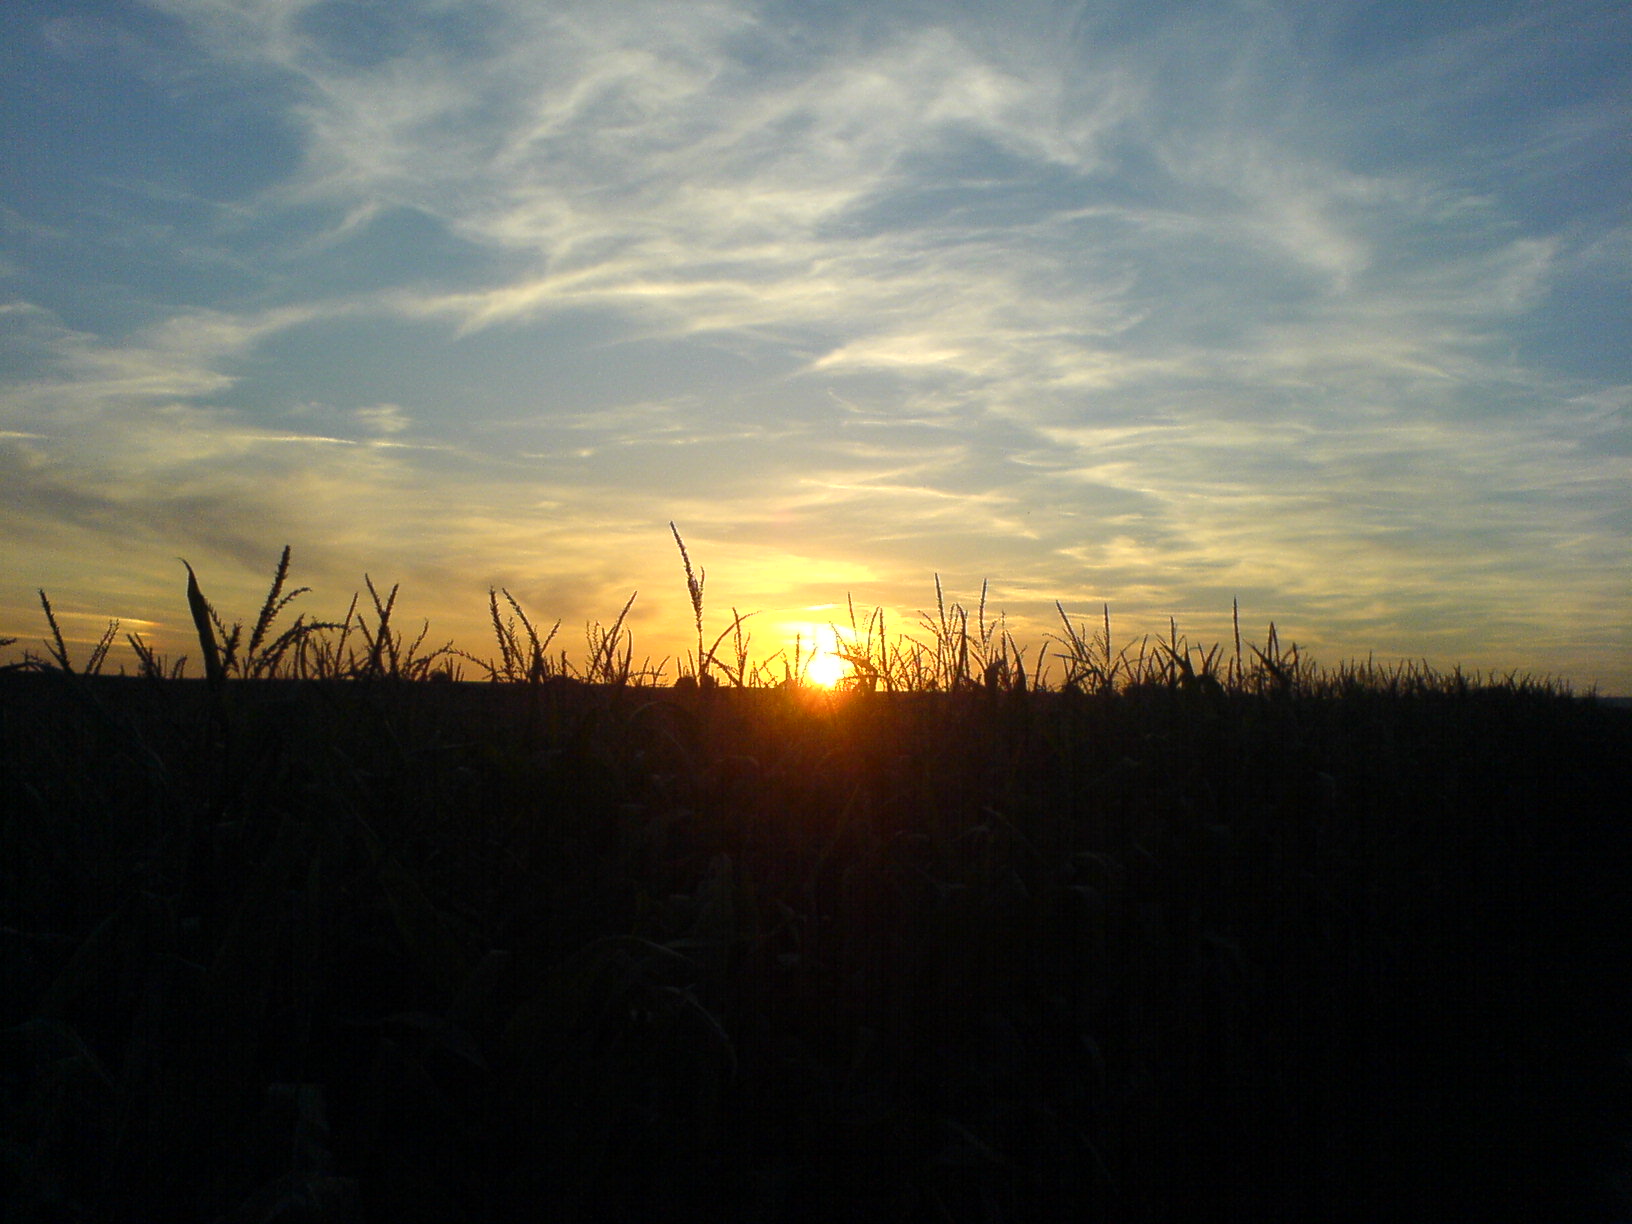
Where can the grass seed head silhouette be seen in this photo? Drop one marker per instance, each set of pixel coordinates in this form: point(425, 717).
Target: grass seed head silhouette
point(955, 648)
point(694, 587)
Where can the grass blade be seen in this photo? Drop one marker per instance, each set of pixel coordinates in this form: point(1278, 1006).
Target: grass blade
point(58, 650)
point(203, 614)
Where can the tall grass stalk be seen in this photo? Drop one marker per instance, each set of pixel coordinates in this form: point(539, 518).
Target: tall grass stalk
point(59, 649)
point(611, 650)
point(522, 657)
point(694, 588)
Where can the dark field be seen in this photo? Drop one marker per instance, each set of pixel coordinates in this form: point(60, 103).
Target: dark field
point(392, 951)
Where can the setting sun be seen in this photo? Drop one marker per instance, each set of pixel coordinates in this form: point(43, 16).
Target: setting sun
point(815, 646)
point(826, 670)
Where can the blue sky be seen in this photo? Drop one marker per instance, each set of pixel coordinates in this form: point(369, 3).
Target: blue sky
point(1321, 307)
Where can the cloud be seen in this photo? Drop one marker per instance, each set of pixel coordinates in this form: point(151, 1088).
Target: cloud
point(1149, 305)
point(75, 375)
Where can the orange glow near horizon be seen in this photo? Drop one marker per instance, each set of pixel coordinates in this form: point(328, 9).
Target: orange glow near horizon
point(815, 646)
point(827, 670)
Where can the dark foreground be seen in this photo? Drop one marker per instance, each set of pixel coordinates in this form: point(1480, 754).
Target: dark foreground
point(444, 952)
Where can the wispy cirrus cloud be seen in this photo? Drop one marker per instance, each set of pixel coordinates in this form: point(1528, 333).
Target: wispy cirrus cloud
point(1153, 304)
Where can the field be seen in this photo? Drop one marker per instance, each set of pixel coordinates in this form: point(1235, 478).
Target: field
point(1179, 935)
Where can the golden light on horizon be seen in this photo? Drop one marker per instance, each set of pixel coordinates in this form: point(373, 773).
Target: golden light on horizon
point(815, 648)
point(827, 670)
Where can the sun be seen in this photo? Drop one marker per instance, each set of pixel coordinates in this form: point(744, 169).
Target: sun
point(826, 670)
point(816, 647)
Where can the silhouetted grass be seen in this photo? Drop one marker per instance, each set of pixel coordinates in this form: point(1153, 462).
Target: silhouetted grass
point(1188, 934)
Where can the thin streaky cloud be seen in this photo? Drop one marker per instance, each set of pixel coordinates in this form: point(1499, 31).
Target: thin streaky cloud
point(1150, 304)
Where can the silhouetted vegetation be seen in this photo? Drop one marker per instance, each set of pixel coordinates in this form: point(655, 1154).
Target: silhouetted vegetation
point(326, 935)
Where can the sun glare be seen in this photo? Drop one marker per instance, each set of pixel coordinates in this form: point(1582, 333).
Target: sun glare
point(819, 665)
point(826, 670)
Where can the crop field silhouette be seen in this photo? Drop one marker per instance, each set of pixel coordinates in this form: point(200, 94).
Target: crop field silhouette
point(336, 926)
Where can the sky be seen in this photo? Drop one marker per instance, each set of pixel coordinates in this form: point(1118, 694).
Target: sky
point(1154, 305)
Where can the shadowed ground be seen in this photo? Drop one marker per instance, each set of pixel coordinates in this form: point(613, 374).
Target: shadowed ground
point(348, 951)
